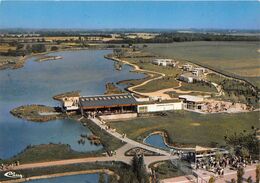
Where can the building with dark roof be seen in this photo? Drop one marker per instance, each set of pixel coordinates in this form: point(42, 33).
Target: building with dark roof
point(108, 103)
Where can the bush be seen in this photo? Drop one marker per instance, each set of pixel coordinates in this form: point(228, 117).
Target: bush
point(38, 48)
point(54, 48)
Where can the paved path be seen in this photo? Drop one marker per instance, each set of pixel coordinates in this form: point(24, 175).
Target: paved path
point(130, 141)
point(159, 93)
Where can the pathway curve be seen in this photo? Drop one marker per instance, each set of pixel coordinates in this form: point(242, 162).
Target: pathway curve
point(159, 93)
point(130, 141)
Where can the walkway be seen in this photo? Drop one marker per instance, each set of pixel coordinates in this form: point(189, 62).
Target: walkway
point(159, 93)
point(130, 141)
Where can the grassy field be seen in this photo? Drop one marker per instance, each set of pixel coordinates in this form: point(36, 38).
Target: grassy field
point(198, 87)
point(164, 83)
point(187, 128)
point(240, 58)
point(6, 47)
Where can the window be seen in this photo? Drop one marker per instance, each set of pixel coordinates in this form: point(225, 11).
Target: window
point(143, 109)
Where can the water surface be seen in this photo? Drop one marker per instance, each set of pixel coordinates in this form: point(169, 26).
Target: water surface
point(156, 140)
point(85, 178)
point(36, 83)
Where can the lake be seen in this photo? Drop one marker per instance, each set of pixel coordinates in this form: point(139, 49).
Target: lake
point(36, 83)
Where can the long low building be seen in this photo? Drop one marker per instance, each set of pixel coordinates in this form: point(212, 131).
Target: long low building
point(159, 107)
point(117, 104)
point(108, 103)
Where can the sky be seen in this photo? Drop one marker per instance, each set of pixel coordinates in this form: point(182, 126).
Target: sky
point(131, 14)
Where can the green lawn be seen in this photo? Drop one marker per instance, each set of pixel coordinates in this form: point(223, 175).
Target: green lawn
point(198, 87)
point(159, 84)
point(188, 128)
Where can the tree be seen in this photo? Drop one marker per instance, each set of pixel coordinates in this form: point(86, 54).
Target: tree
point(54, 48)
point(212, 180)
point(244, 152)
point(240, 173)
point(139, 169)
point(249, 180)
point(101, 178)
point(112, 179)
point(38, 48)
point(257, 171)
point(218, 155)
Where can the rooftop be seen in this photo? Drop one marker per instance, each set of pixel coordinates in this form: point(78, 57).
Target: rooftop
point(192, 98)
point(98, 101)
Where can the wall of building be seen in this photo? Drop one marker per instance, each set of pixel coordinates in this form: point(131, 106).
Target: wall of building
point(159, 107)
point(118, 116)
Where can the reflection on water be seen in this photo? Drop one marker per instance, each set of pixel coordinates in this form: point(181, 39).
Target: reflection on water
point(36, 83)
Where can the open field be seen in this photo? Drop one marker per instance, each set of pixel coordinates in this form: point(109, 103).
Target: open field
point(6, 47)
point(209, 129)
point(164, 83)
point(197, 87)
point(240, 58)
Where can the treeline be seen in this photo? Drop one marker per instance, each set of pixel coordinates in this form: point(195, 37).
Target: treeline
point(185, 37)
point(244, 144)
point(240, 92)
point(22, 50)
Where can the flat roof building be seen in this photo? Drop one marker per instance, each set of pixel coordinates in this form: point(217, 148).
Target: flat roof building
point(107, 101)
point(165, 62)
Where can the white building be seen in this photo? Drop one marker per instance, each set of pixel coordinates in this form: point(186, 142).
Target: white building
point(192, 102)
point(198, 71)
point(159, 107)
point(186, 78)
point(165, 62)
point(187, 67)
point(70, 103)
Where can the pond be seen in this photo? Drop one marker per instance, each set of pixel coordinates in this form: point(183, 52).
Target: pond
point(36, 83)
point(84, 178)
point(156, 140)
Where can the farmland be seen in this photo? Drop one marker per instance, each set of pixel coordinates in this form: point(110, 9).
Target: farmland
point(239, 58)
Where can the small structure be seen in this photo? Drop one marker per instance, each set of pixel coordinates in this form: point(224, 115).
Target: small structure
point(198, 71)
point(189, 77)
point(187, 67)
point(186, 78)
point(70, 103)
point(165, 62)
point(159, 107)
point(192, 102)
